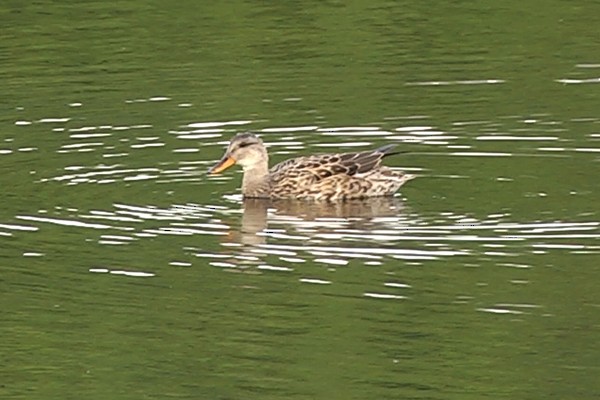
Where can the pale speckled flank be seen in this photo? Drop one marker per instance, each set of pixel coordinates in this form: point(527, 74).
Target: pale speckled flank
point(328, 177)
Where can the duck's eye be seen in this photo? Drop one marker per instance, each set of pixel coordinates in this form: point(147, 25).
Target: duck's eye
point(242, 145)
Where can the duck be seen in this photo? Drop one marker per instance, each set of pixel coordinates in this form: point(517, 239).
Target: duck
point(328, 177)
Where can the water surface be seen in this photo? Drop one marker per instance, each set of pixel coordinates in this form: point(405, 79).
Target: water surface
point(128, 272)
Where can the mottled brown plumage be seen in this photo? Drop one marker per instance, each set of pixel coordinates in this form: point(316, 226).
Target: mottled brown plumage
point(317, 177)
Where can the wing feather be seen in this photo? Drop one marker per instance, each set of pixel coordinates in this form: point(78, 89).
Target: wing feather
point(322, 166)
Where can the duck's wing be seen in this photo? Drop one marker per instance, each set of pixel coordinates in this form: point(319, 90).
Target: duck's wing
point(365, 161)
point(322, 166)
point(284, 165)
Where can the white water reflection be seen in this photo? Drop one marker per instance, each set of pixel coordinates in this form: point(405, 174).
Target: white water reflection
point(144, 100)
point(460, 82)
point(315, 281)
point(383, 296)
point(137, 274)
point(570, 81)
point(529, 138)
point(212, 124)
point(67, 222)
point(14, 227)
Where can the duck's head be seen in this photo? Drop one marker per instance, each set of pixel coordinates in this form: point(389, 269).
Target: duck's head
point(246, 150)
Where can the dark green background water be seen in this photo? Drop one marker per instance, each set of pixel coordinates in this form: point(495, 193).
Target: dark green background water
point(125, 272)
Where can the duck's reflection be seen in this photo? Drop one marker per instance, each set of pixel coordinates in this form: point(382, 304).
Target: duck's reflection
point(358, 208)
point(288, 216)
point(254, 221)
point(270, 227)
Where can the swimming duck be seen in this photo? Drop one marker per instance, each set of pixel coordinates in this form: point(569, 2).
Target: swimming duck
point(328, 177)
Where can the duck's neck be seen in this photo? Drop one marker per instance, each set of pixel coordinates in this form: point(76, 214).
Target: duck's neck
point(256, 181)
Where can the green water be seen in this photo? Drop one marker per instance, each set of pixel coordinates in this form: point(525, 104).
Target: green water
point(127, 273)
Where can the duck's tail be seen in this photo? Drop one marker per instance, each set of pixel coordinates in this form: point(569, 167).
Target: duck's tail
point(387, 150)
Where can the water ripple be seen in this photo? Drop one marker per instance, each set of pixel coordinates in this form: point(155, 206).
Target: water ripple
point(459, 82)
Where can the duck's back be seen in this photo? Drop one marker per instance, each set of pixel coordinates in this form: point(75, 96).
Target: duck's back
point(336, 176)
point(341, 163)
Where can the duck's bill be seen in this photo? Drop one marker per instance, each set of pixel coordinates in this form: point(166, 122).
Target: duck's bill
point(222, 165)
